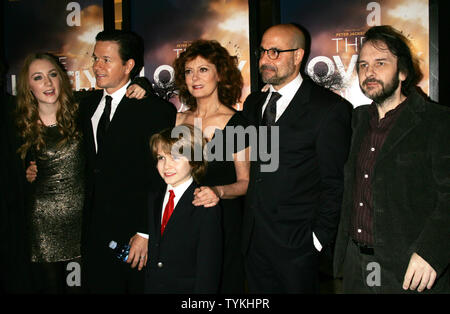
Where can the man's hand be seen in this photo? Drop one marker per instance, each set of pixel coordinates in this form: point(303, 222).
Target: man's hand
point(135, 91)
point(138, 251)
point(419, 274)
point(31, 172)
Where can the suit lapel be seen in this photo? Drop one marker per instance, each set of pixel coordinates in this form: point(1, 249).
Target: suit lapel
point(406, 122)
point(92, 104)
point(360, 130)
point(259, 104)
point(118, 125)
point(298, 104)
point(157, 209)
point(118, 115)
point(181, 209)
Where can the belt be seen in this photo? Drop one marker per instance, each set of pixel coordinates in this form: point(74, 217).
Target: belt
point(363, 248)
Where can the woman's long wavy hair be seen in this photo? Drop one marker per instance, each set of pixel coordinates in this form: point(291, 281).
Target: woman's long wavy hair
point(30, 127)
point(230, 84)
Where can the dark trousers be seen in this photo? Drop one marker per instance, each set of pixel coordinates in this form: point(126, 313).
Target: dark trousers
point(363, 273)
point(103, 273)
point(359, 271)
point(55, 278)
point(233, 275)
point(107, 275)
point(355, 273)
point(272, 269)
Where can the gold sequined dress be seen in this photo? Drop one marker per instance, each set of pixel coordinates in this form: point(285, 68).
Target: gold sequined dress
point(57, 201)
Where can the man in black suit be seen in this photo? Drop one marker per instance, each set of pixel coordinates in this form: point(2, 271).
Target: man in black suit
point(395, 223)
point(292, 213)
point(120, 171)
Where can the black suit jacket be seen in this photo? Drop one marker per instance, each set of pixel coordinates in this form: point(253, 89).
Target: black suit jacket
point(304, 194)
point(15, 253)
point(118, 180)
point(188, 257)
point(410, 188)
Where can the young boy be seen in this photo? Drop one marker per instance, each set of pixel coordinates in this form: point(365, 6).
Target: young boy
point(185, 246)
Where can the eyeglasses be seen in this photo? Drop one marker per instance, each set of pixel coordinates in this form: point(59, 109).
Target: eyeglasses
point(272, 53)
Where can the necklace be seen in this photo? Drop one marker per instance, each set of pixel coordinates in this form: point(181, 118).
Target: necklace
point(48, 125)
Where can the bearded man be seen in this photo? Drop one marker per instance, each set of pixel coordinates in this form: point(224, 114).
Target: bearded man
point(395, 222)
point(292, 212)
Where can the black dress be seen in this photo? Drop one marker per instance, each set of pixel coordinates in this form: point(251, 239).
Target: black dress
point(221, 171)
point(55, 203)
point(30, 255)
point(57, 200)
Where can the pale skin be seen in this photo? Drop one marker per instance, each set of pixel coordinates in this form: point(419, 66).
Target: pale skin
point(138, 252)
point(111, 74)
point(43, 77)
point(202, 79)
point(287, 65)
point(48, 116)
point(174, 171)
point(44, 83)
point(381, 64)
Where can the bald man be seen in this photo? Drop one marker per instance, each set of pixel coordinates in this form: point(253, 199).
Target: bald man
point(292, 211)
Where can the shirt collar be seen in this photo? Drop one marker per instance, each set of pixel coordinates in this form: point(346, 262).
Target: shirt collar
point(290, 88)
point(373, 110)
point(118, 94)
point(180, 189)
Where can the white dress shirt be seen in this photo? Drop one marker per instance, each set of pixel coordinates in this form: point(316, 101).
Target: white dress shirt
point(178, 191)
point(287, 93)
point(116, 99)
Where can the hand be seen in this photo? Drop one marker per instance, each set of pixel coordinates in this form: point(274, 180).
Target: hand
point(138, 251)
point(419, 274)
point(135, 91)
point(206, 196)
point(31, 172)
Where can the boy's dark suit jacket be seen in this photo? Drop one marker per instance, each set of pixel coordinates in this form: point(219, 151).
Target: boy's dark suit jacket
point(187, 258)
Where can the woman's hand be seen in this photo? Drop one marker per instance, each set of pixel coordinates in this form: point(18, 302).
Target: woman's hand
point(207, 196)
point(31, 172)
point(135, 91)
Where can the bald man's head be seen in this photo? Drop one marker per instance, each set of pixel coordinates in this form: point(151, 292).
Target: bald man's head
point(289, 41)
point(292, 33)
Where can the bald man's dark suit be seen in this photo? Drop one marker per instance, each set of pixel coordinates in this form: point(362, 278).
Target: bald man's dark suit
point(284, 207)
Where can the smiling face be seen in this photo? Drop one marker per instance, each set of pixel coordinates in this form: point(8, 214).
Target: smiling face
point(379, 77)
point(111, 73)
point(201, 78)
point(174, 171)
point(44, 81)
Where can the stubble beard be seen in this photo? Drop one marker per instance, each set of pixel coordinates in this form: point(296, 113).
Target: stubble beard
point(276, 80)
point(386, 91)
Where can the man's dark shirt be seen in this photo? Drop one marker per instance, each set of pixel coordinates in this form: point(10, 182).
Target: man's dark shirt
point(362, 214)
